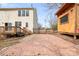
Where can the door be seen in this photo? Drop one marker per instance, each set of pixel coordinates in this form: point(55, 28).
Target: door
point(8, 26)
point(18, 25)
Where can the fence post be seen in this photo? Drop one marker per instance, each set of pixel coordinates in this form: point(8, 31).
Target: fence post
point(75, 37)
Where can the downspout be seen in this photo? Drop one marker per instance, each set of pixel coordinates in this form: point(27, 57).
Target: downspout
point(75, 20)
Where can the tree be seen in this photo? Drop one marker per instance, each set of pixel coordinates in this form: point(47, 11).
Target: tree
point(39, 26)
point(53, 24)
point(50, 8)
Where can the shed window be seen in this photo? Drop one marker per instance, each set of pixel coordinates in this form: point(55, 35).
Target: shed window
point(64, 19)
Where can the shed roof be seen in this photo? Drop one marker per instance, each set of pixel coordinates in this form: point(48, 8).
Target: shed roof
point(64, 6)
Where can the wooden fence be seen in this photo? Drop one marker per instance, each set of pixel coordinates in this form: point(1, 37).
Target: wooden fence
point(43, 31)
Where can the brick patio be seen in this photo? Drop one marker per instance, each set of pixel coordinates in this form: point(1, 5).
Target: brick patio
point(41, 44)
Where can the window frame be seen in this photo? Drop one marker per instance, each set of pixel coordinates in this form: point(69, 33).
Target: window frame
point(18, 23)
point(26, 24)
point(23, 12)
point(19, 13)
point(8, 27)
point(65, 21)
point(27, 12)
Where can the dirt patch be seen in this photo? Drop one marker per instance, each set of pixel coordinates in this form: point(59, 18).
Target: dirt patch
point(9, 42)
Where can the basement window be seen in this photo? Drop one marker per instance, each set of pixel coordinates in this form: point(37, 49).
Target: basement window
point(64, 19)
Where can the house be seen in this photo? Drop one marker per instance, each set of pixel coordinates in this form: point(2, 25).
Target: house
point(68, 19)
point(13, 20)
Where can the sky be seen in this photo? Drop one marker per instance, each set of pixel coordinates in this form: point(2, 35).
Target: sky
point(42, 11)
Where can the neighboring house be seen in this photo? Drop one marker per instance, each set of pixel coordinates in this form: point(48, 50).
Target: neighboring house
point(68, 19)
point(14, 20)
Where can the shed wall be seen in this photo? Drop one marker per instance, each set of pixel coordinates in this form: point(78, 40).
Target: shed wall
point(70, 25)
point(77, 18)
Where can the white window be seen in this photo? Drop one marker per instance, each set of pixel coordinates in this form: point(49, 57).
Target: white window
point(26, 24)
point(17, 23)
point(23, 12)
point(27, 12)
point(19, 13)
point(8, 26)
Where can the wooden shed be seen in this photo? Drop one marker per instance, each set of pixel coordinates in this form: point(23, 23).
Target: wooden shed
point(68, 19)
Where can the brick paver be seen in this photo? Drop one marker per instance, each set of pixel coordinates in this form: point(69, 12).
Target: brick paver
point(41, 44)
